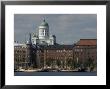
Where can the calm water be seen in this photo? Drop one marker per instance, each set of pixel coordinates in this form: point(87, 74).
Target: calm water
point(55, 73)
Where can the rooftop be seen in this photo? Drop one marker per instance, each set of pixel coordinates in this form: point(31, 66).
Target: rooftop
point(87, 42)
point(59, 47)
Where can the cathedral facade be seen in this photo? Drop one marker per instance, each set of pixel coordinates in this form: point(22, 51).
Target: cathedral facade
point(43, 37)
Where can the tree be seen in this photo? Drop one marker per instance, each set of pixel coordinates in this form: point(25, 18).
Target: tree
point(90, 64)
point(58, 62)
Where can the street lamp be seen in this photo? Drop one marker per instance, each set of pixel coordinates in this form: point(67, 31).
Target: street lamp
point(77, 61)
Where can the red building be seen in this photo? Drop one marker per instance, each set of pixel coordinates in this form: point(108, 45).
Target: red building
point(85, 51)
point(55, 56)
point(61, 56)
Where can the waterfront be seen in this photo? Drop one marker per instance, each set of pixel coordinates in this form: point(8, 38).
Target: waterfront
point(42, 55)
point(55, 73)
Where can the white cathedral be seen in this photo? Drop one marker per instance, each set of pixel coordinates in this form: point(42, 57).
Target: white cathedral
point(42, 36)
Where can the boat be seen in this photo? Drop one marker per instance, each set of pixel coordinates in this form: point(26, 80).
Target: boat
point(20, 69)
point(82, 70)
point(32, 70)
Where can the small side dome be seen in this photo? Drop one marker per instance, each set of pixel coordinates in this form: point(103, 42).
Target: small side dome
point(44, 23)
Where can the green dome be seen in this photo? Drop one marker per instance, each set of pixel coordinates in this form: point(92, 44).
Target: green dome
point(44, 23)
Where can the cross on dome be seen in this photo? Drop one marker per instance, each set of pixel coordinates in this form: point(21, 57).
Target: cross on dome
point(43, 19)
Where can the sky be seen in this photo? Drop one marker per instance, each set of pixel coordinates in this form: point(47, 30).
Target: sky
point(68, 28)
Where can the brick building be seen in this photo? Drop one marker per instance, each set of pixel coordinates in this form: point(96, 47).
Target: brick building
point(85, 51)
point(24, 56)
point(56, 56)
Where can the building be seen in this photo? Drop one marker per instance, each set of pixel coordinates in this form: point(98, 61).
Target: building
point(58, 56)
point(24, 55)
point(43, 37)
point(85, 52)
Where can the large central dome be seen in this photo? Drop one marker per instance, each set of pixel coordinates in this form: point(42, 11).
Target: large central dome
point(44, 23)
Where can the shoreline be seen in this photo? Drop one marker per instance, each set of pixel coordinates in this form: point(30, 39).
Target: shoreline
point(53, 71)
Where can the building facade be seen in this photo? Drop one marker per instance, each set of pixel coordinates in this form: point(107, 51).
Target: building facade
point(85, 52)
point(58, 56)
point(24, 56)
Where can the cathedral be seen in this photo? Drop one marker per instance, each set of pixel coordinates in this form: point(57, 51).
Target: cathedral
point(43, 37)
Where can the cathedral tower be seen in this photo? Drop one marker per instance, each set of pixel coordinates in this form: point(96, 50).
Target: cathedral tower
point(44, 30)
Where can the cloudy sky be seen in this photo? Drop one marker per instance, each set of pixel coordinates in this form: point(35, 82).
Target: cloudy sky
point(68, 28)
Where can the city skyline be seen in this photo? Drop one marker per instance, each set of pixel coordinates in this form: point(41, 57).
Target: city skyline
point(68, 28)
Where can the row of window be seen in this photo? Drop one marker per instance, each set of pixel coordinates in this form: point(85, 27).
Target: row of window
point(21, 51)
point(84, 53)
point(20, 47)
point(69, 55)
point(59, 57)
point(85, 49)
point(59, 50)
point(21, 56)
point(20, 59)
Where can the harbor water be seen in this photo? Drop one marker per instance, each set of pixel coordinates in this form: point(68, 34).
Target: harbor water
point(55, 73)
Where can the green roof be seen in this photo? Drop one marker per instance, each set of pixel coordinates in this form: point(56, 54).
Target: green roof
point(44, 23)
